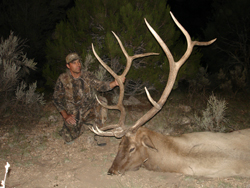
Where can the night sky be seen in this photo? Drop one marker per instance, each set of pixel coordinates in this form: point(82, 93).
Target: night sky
point(192, 14)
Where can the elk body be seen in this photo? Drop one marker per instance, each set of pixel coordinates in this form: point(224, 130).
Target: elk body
point(202, 154)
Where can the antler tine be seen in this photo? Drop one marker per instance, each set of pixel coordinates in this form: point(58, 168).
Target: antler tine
point(117, 133)
point(174, 68)
point(104, 64)
point(154, 103)
point(190, 43)
point(130, 58)
point(118, 129)
point(119, 105)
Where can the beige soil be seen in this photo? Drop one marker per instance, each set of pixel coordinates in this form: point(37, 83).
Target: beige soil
point(39, 158)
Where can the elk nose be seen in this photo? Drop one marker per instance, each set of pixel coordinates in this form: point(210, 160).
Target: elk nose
point(113, 172)
point(109, 173)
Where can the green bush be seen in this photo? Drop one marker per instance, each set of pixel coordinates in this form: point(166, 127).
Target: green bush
point(88, 24)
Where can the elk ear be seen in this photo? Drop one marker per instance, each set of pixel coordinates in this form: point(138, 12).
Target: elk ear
point(146, 142)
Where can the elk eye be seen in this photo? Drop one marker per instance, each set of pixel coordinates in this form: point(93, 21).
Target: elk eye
point(131, 150)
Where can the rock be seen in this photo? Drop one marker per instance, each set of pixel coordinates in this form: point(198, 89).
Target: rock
point(90, 141)
point(185, 121)
point(185, 108)
point(5, 136)
point(131, 101)
point(52, 118)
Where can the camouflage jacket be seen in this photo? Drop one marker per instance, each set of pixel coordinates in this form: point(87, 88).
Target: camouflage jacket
point(72, 94)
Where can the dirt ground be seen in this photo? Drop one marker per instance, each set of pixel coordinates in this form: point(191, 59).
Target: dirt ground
point(39, 158)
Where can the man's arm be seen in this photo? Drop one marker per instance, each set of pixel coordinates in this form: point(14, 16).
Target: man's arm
point(115, 83)
point(58, 99)
point(101, 85)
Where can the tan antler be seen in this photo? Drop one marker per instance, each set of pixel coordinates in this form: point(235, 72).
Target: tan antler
point(119, 129)
point(174, 68)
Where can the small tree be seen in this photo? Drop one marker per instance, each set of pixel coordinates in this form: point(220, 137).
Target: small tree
point(14, 67)
point(88, 24)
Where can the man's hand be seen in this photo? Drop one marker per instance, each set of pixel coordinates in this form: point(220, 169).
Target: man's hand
point(69, 118)
point(115, 83)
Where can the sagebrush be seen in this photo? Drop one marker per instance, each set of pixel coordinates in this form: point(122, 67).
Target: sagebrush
point(213, 117)
point(18, 99)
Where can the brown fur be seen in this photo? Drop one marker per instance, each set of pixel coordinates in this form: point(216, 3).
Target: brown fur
point(201, 153)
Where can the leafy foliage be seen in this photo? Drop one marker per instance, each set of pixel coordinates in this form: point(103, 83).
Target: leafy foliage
point(14, 68)
point(88, 24)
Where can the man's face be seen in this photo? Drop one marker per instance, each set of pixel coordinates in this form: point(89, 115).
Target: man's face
point(74, 66)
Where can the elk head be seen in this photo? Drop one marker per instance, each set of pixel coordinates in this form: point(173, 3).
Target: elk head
point(135, 143)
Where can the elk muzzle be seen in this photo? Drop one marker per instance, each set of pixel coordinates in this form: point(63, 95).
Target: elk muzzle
point(112, 171)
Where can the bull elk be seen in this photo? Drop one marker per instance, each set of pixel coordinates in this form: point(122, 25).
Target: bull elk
point(201, 153)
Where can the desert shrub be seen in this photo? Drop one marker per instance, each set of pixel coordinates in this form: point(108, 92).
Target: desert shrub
point(16, 96)
point(213, 116)
point(234, 81)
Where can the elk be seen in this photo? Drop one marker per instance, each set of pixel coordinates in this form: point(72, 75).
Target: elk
point(201, 153)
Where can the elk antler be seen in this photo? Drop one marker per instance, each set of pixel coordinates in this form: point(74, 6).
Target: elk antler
point(173, 70)
point(117, 130)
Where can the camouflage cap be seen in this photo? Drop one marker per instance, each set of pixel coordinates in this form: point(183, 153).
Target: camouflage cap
point(72, 57)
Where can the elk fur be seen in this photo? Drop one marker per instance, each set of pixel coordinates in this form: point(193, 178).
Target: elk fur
point(200, 153)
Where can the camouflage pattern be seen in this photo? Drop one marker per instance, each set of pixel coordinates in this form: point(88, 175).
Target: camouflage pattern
point(77, 96)
point(72, 57)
